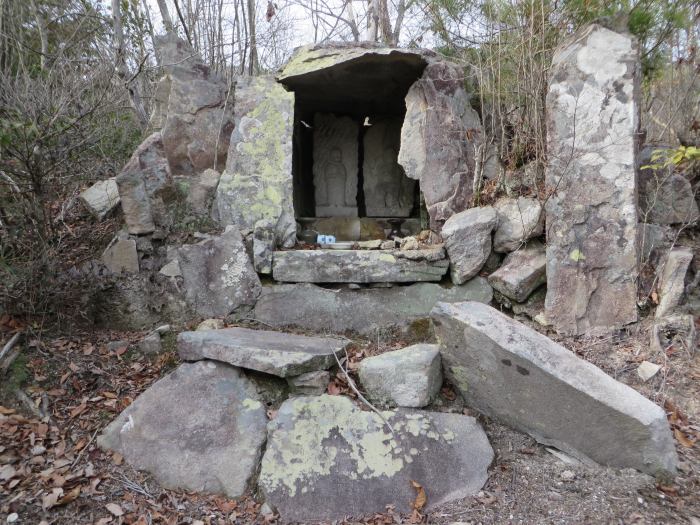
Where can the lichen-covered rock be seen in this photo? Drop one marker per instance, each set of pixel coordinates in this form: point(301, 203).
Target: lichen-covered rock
point(326, 459)
point(672, 280)
point(593, 121)
point(522, 272)
point(467, 237)
point(358, 266)
point(274, 353)
point(193, 108)
point(101, 198)
point(362, 311)
point(200, 428)
point(255, 190)
point(438, 140)
point(218, 277)
point(263, 248)
point(516, 375)
point(410, 377)
point(519, 220)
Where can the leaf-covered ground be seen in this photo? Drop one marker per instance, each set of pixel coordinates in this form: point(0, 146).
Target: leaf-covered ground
point(51, 471)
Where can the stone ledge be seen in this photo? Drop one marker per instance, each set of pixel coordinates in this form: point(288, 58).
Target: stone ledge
point(356, 266)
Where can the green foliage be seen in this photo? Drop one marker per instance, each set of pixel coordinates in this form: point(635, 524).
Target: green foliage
point(682, 156)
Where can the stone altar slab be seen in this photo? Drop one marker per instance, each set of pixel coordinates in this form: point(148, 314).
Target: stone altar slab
point(359, 266)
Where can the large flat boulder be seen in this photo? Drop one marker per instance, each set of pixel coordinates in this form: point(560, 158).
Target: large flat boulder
point(200, 428)
point(360, 311)
point(275, 353)
point(327, 459)
point(359, 266)
point(593, 125)
point(520, 377)
point(467, 237)
point(410, 377)
point(217, 274)
point(255, 190)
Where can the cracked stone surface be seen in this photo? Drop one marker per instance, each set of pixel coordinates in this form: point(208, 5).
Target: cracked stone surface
point(467, 236)
point(327, 459)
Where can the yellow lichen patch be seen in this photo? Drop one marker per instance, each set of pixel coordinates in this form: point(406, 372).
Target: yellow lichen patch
point(251, 404)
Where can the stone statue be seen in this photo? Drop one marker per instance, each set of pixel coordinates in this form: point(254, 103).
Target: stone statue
point(335, 166)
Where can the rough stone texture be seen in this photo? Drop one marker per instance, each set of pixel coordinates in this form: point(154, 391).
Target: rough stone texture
point(360, 311)
point(151, 344)
point(194, 109)
point(388, 192)
point(522, 272)
point(519, 220)
point(675, 330)
point(592, 121)
point(467, 237)
point(672, 281)
point(140, 182)
point(263, 248)
point(171, 269)
point(665, 197)
point(335, 169)
point(327, 459)
point(255, 190)
point(512, 373)
point(199, 428)
point(101, 198)
point(653, 239)
point(201, 192)
point(310, 384)
point(410, 377)
point(312, 59)
point(355, 266)
point(275, 353)
point(218, 276)
point(136, 204)
point(646, 370)
point(211, 324)
point(438, 138)
point(533, 306)
point(121, 256)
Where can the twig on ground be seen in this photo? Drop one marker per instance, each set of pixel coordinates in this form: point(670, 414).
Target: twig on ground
point(351, 384)
point(9, 345)
point(82, 451)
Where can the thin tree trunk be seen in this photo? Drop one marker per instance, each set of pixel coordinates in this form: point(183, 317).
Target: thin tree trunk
point(372, 20)
point(43, 37)
point(164, 14)
point(253, 63)
point(121, 67)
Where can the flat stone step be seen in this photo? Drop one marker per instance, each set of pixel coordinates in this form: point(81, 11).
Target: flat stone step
point(327, 459)
point(359, 266)
point(275, 353)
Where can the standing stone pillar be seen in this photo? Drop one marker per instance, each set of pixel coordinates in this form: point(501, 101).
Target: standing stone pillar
point(592, 121)
point(255, 190)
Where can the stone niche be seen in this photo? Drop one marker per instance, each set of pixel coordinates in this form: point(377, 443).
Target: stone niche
point(348, 116)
